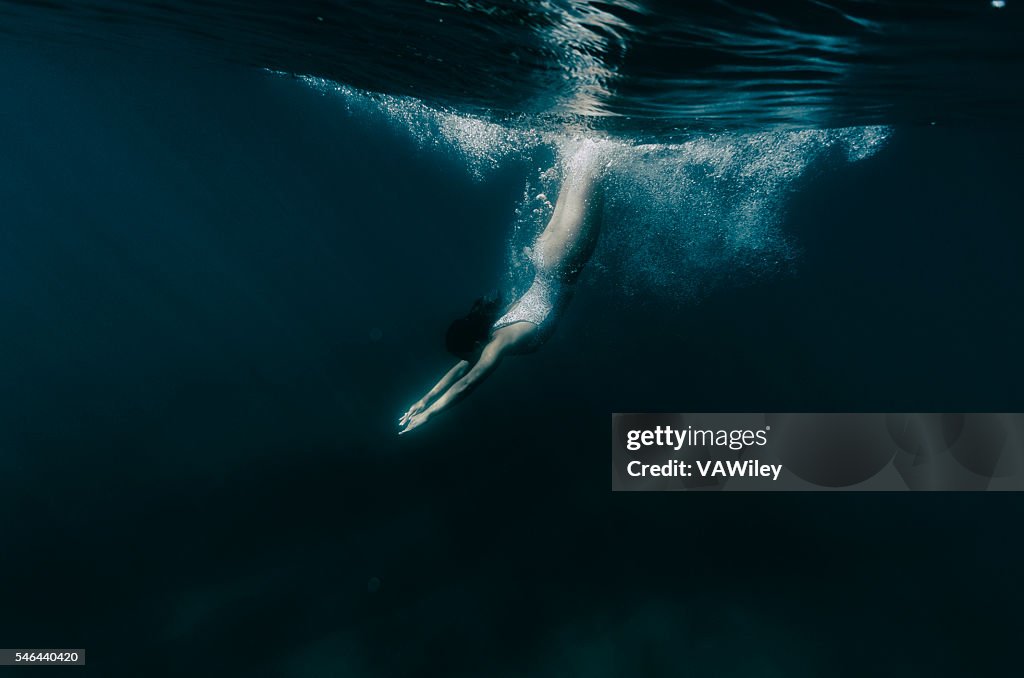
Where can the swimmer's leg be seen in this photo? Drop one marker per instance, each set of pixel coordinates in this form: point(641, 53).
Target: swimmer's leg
point(568, 239)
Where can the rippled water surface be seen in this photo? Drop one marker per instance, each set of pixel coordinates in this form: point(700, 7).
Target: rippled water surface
point(651, 67)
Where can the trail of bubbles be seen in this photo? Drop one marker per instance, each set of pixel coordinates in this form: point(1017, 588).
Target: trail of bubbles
point(679, 218)
point(682, 218)
point(480, 144)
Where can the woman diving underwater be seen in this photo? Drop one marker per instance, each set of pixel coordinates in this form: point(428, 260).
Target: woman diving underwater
point(489, 333)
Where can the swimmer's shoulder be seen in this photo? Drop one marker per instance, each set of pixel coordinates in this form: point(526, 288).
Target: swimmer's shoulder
point(514, 335)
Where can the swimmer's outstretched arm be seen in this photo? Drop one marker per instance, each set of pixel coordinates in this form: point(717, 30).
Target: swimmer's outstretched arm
point(440, 387)
point(488, 359)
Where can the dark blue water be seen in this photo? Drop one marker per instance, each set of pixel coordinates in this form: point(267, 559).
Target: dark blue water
point(220, 284)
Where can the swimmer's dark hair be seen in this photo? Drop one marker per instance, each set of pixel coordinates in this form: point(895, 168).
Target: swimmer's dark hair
point(467, 336)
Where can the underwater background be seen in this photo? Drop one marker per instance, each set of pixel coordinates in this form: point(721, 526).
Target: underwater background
point(233, 235)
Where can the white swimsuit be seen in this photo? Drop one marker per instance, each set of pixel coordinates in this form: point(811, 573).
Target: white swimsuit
point(538, 305)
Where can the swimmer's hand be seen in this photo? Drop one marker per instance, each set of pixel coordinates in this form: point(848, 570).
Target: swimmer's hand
point(423, 409)
point(414, 421)
point(417, 407)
